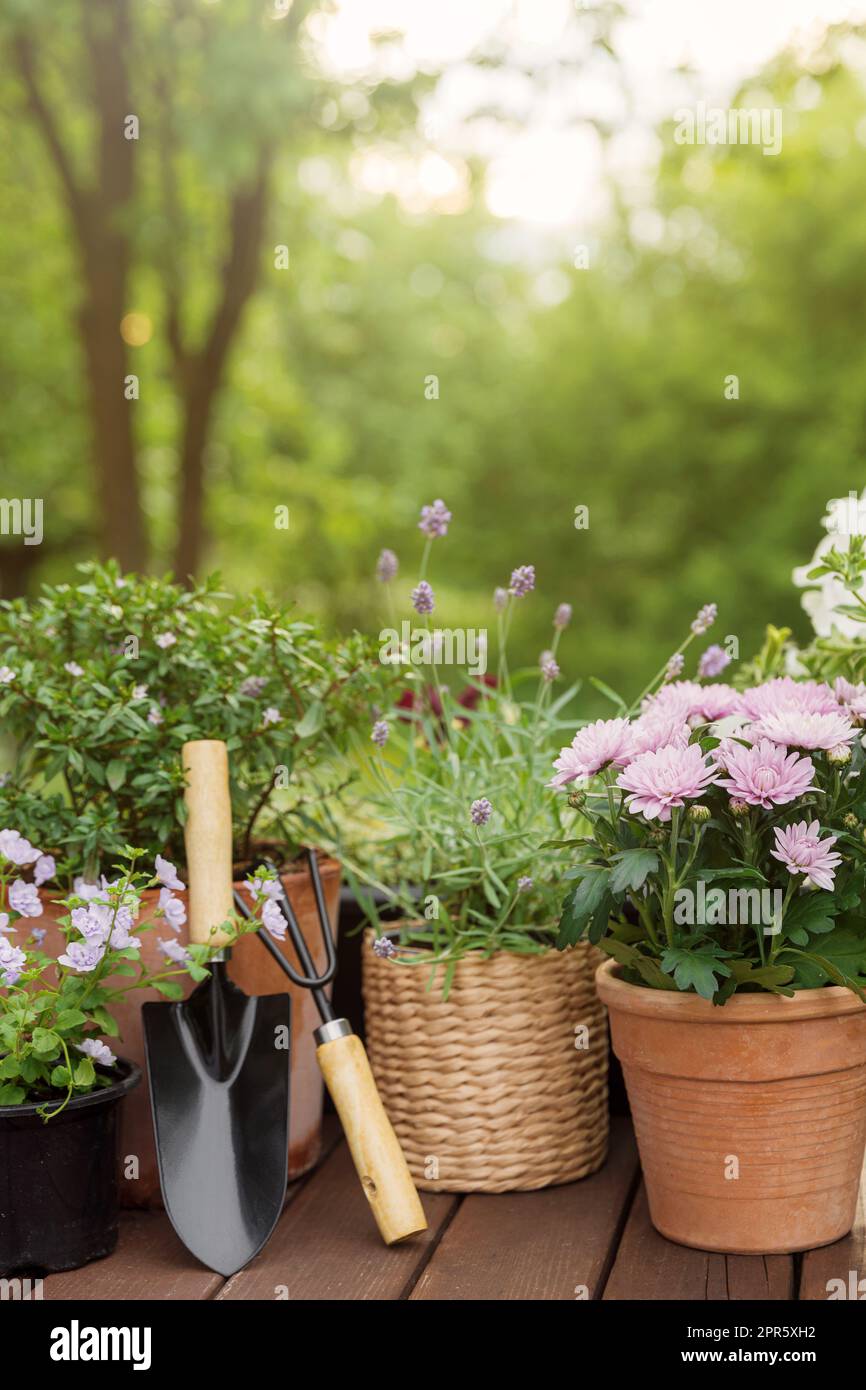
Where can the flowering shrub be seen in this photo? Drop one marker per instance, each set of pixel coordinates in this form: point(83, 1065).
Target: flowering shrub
point(55, 1015)
point(725, 848)
point(454, 784)
point(101, 684)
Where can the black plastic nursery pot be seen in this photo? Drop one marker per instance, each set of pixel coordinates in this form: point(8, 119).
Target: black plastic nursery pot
point(58, 1180)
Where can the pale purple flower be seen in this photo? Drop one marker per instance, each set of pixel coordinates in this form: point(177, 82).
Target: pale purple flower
point(39, 934)
point(593, 747)
point(73, 668)
point(166, 874)
point(764, 775)
point(705, 618)
point(667, 778)
point(154, 717)
point(384, 948)
point(853, 697)
point(44, 869)
point(16, 849)
point(82, 956)
point(522, 581)
point(675, 666)
point(795, 729)
point(172, 909)
point(6, 675)
point(480, 811)
point(422, 597)
point(83, 889)
point(271, 716)
point(548, 666)
point(524, 884)
point(713, 662)
point(562, 616)
point(121, 938)
point(386, 566)
point(93, 921)
point(4, 923)
point(799, 848)
point(253, 686)
point(434, 519)
point(99, 1051)
point(165, 640)
point(259, 888)
point(784, 693)
point(500, 598)
point(274, 920)
point(12, 962)
point(379, 733)
point(139, 692)
point(174, 951)
point(24, 898)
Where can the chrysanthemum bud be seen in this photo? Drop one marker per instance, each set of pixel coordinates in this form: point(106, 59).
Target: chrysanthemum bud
point(699, 813)
point(577, 800)
point(850, 821)
point(739, 808)
point(840, 755)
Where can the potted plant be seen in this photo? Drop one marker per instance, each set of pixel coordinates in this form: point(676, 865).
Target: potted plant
point(488, 1046)
point(60, 1081)
point(722, 870)
point(101, 683)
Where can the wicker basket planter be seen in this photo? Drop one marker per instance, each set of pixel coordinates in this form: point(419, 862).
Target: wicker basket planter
point(490, 1090)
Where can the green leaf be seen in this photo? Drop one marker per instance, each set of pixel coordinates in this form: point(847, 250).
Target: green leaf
point(694, 969)
point(609, 694)
point(116, 773)
point(69, 1018)
point(770, 977)
point(106, 1023)
point(580, 904)
point(84, 1073)
point(312, 720)
point(171, 989)
point(646, 967)
point(632, 868)
point(10, 1066)
point(12, 1095)
point(45, 1041)
point(60, 1077)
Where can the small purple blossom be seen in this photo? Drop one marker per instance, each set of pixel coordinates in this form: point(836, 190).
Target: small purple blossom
point(379, 733)
point(480, 811)
point(139, 692)
point(16, 849)
point(386, 566)
point(12, 962)
point(705, 618)
point(549, 666)
point(675, 665)
point(384, 948)
point(524, 884)
point(39, 934)
point(562, 616)
point(253, 686)
point(6, 675)
point(713, 662)
point(154, 717)
point(271, 716)
point(44, 869)
point(500, 598)
point(422, 597)
point(82, 956)
point(172, 909)
point(24, 898)
point(259, 888)
point(174, 951)
point(165, 640)
point(273, 919)
point(166, 873)
point(434, 519)
point(98, 1050)
point(522, 581)
point(73, 668)
point(4, 923)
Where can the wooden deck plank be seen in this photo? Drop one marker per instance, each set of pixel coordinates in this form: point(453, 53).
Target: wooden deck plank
point(648, 1267)
point(327, 1245)
point(837, 1261)
point(552, 1244)
point(149, 1263)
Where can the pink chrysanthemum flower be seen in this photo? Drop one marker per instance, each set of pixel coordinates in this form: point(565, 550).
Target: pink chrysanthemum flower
point(765, 775)
point(802, 852)
point(592, 748)
point(783, 693)
point(851, 697)
point(693, 703)
point(655, 730)
point(659, 781)
point(796, 729)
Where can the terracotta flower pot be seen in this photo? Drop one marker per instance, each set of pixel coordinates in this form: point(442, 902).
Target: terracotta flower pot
point(256, 973)
point(750, 1118)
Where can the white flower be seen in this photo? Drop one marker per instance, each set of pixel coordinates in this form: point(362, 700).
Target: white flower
point(6, 675)
point(845, 517)
point(15, 848)
point(167, 874)
point(271, 715)
point(44, 869)
point(139, 692)
point(154, 717)
point(165, 639)
point(273, 919)
point(73, 668)
point(172, 909)
point(99, 1051)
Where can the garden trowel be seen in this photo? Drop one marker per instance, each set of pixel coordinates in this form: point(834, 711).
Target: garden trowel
point(218, 1062)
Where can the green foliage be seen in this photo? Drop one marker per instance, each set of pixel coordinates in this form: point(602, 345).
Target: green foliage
point(112, 675)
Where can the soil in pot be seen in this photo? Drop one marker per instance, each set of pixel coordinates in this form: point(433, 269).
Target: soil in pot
point(750, 1118)
point(256, 973)
point(59, 1179)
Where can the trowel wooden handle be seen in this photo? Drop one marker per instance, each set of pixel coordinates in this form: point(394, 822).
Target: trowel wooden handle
point(208, 838)
point(374, 1146)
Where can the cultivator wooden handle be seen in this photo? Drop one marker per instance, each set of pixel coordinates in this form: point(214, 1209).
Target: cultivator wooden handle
point(208, 838)
point(374, 1146)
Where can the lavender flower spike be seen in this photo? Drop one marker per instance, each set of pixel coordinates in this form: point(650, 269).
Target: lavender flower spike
point(705, 618)
point(562, 616)
point(384, 948)
point(386, 566)
point(379, 733)
point(434, 519)
point(480, 811)
point(713, 662)
point(500, 599)
point(422, 598)
point(675, 666)
point(522, 581)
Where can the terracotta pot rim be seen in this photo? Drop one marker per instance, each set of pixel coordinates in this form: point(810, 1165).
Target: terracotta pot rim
point(617, 993)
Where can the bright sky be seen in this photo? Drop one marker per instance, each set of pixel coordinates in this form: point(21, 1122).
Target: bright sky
point(545, 158)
